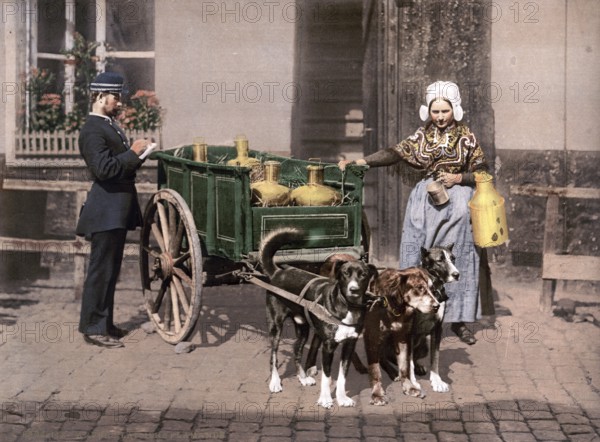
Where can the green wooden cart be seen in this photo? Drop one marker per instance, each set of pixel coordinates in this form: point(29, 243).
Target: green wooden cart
point(200, 228)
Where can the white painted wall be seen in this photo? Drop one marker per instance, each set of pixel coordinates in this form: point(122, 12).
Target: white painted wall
point(226, 68)
point(545, 64)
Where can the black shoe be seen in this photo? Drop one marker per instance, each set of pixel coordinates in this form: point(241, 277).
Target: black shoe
point(464, 334)
point(103, 341)
point(117, 332)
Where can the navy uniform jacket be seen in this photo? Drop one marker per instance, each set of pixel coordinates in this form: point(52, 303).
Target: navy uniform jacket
point(112, 201)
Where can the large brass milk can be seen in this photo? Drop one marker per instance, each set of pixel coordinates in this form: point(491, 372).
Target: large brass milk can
point(315, 192)
point(268, 192)
point(488, 214)
point(243, 159)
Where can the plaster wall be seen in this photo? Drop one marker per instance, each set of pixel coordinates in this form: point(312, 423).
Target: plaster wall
point(544, 74)
point(224, 69)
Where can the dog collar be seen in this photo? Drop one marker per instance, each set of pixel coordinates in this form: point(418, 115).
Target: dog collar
point(389, 308)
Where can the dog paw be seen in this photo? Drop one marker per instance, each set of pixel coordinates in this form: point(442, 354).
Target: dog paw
point(307, 381)
point(438, 385)
point(326, 403)
point(410, 389)
point(345, 402)
point(275, 386)
point(378, 400)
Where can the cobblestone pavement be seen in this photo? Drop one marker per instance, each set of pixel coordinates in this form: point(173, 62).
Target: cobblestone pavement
point(532, 377)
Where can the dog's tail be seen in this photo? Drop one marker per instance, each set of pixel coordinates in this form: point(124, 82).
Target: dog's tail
point(272, 243)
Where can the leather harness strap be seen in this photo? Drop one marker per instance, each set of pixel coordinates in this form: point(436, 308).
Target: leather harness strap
point(312, 306)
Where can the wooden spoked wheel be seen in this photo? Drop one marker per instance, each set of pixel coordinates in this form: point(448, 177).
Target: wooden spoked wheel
point(171, 266)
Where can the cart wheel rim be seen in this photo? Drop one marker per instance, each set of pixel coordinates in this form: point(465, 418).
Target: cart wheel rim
point(171, 266)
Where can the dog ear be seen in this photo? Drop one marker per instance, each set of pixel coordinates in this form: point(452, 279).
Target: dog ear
point(424, 253)
point(450, 246)
point(373, 272)
point(337, 265)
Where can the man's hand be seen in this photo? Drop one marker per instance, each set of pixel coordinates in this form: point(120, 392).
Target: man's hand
point(139, 146)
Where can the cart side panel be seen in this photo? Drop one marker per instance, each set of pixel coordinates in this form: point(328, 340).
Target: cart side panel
point(202, 181)
point(323, 226)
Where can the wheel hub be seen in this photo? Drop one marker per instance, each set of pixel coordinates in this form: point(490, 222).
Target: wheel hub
point(163, 265)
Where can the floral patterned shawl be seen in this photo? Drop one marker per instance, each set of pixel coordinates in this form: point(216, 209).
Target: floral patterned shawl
point(454, 150)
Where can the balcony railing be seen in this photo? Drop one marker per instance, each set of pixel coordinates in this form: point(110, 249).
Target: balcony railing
point(60, 144)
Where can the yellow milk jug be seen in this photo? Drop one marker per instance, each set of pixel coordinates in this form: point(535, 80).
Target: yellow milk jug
point(243, 159)
point(268, 192)
point(488, 215)
point(315, 193)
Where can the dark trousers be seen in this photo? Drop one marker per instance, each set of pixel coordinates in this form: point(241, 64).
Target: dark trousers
point(98, 296)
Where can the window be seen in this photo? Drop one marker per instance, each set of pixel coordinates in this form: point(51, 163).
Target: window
point(124, 29)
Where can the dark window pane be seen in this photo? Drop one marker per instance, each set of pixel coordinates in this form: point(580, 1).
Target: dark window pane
point(51, 26)
point(86, 16)
point(57, 69)
point(138, 73)
point(130, 25)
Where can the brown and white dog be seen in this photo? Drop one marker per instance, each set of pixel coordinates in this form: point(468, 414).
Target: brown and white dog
point(344, 297)
point(390, 326)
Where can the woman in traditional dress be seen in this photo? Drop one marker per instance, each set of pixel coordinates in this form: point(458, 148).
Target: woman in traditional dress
point(447, 151)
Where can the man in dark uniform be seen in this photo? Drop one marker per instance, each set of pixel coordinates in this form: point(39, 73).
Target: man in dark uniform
point(111, 208)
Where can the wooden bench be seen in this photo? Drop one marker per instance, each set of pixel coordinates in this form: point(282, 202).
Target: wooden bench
point(556, 265)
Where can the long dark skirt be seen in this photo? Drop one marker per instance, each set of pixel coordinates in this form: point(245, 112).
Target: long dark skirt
point(426, 225)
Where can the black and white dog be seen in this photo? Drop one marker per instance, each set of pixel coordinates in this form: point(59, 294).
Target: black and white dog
point(427, 328)
point(343, 297)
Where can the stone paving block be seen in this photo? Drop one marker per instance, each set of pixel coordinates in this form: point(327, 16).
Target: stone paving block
point(517, 437)
point(221, 423)
point(283, 431)
point(479, 427)
point(549, 435)
point(112, 432)
point(310, 436)
point(572, 418)
point(181, 414)
point(310, 426)
point(378, 431)
point(445, 436)
point(576, 429)
point(584, 438)
point(142, 427)
point(76, 425)
point(274, 439)
point(447, 426)
point(239, 427)
point(138, 416)
point(413, 427)
point(243, 437)
point(380, 420)
point(539, 415)
point(544, 425)
point(210, 434)
point(341, 431)
point(71, 435)
point(172, 425)
point(484, 437)
point(172, 435)
point(418, 437)
point(512, 426)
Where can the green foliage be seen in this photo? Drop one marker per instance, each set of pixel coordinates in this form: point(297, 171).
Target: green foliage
point(82, 55)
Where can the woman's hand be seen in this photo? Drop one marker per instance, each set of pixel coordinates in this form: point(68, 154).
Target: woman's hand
point(449, 179)
point(343, 163)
